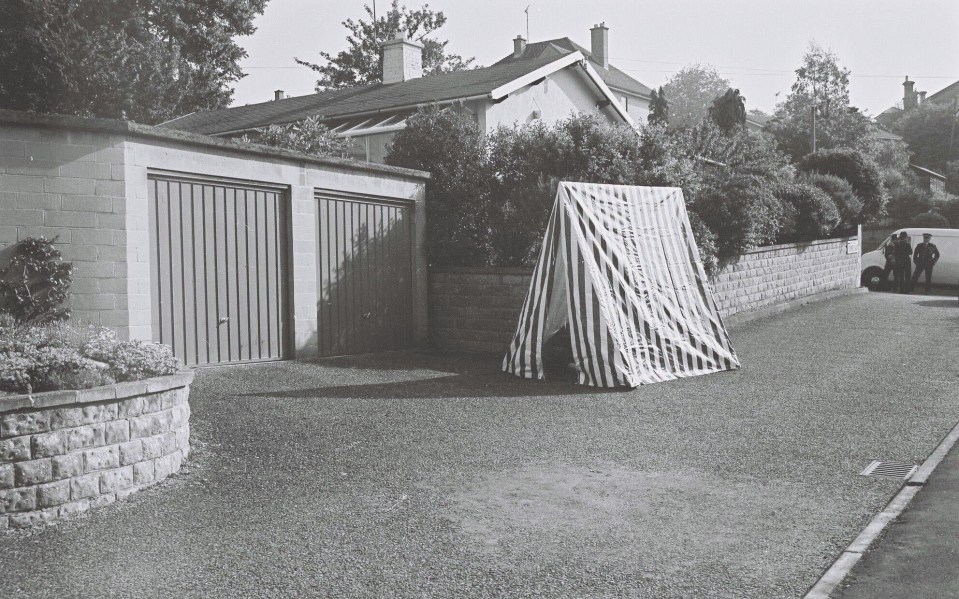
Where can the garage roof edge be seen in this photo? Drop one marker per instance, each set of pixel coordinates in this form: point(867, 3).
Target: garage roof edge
point(98, 125)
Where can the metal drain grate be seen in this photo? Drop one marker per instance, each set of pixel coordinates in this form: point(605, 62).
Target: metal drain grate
point(889, 469)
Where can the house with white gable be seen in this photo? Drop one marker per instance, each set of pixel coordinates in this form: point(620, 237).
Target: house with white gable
point(545, 81)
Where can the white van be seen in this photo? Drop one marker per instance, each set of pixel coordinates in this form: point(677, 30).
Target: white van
point(946, 271)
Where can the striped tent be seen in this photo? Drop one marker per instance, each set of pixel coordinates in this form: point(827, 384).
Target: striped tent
point(620, 268)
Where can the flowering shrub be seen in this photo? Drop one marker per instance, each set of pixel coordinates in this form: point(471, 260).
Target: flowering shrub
point(61, 355)
point(36, 282)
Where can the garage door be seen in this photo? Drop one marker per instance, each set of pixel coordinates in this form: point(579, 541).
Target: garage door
point(365, 271)
point(219, 265)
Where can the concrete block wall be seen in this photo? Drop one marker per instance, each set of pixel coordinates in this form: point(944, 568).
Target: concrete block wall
point(70, 185)
point(86, 182)
point(476, 309)
point(65, 452)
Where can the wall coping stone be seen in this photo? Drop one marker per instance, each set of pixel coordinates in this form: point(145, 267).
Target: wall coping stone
point(113, 126)
point(528, 270)
point(47, 399)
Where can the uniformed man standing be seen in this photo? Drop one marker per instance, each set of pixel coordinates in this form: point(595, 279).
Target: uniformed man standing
point(903, 266)
point(925, 257)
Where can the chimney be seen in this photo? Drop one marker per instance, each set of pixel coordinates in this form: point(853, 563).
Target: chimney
point(599, 35)
point(908, 95)
point(278, 95)
point(402, 59)
point(922, 98)
point(519, 46)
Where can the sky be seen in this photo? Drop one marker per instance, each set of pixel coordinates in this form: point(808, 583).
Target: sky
point(756, 44)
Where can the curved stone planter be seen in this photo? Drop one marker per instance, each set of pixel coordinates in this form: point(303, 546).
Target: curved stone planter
point(64, 452)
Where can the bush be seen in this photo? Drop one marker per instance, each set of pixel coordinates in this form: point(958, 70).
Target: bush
point(814, 213)
point(848, 204)
point(59, 355)
point(931, 219)
point(743, 212)
point(450, 146)
point(858, 170)
point(35, 282)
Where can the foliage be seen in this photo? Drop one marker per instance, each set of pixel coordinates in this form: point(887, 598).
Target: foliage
point(309, 136)
point(147, 61)
point(35, 282)
point(813, 211)
point(60, 355)
point(952, 173)
point(742, 210)
point(928, 130)
point(930, 219)
point(361, 63)
point(853, 166)
point(449, 145)
point(691, 91)
point(658, 107)
point(527, 163)
point(728, 111)
point(820, 82)
point(848, 204)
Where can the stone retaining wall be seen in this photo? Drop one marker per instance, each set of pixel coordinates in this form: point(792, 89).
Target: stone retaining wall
point(476, 309)
point(64, 452)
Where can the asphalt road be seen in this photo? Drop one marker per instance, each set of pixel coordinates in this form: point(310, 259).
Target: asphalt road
point(918, 557)
point(437, 476)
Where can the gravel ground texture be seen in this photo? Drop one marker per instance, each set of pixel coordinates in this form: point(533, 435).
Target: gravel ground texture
point(416, 475)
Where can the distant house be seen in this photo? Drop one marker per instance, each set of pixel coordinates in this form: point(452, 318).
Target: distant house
point(912, 99)
point(544, 81)
point(931, 180)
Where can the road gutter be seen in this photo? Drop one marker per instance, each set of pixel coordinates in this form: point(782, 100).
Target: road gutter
point(844, 564)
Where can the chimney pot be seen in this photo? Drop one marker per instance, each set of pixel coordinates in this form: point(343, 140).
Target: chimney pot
point(599, 48)
point(519, 46)
point(278, 95)
point(402, 59)
point(909, 96)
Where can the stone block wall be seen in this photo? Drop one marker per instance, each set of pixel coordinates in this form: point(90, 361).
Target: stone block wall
point(64, 452)
point(476, 309)
point(780, 273)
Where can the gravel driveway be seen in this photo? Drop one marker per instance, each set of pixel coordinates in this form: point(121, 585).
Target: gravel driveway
point(434, 476)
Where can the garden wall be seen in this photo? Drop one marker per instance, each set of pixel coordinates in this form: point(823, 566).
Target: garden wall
point(64, 452)
point(476, 309)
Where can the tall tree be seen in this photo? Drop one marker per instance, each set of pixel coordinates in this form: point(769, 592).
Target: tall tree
point(728, 111)
point(932, 132)
point(146, 60)
point(361, 63)
point(658, 108)
point(821, 85)
point(691, 91)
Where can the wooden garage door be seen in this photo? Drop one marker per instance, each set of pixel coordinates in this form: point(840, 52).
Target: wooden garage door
point(219, 265)
point(365, 271)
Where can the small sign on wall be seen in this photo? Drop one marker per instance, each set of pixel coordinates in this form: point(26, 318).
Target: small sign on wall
point(852, 246)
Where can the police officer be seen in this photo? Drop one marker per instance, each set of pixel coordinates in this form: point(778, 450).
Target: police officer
point(903, 266)
point(889, 251)
point(925, 257)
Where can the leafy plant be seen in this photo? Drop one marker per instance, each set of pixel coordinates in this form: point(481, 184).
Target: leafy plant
point(62, 355)
point(814, 213)
point(853, 166)
point(930, 219)
point(309, 136)
point(36, 282)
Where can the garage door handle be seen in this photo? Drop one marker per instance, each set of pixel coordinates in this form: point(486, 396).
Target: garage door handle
point(223, 319)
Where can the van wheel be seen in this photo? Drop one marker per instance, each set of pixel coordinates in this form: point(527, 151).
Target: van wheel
point(872, 278)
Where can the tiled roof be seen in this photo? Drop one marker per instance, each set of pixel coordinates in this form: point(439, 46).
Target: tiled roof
point(368, 98)
point(380, 97)
point(944, 93)
point(563, 45)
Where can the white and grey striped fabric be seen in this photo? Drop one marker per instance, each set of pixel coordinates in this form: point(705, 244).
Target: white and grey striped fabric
point(619, 266)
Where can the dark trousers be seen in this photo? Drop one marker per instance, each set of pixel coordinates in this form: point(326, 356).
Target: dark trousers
point(885, 272)
point(902, 272)
point(923, 268)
